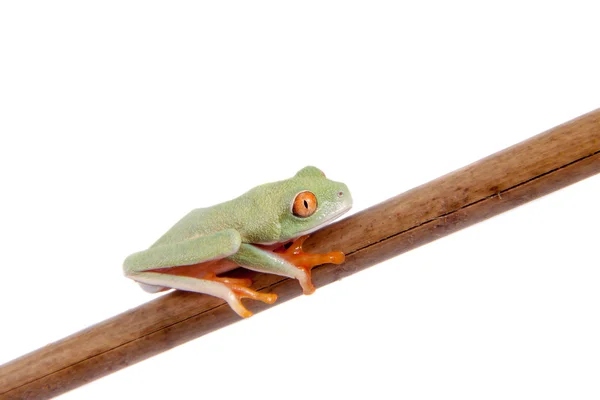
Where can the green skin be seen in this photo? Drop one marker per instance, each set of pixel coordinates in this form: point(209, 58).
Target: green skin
point(231, 230)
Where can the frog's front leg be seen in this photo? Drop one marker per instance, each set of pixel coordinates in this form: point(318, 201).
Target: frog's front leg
point(291, 263)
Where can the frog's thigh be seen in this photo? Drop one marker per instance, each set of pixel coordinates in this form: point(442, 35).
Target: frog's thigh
point(256, 259)
point(192, 251)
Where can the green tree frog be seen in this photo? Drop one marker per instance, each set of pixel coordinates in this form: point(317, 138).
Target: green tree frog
point(250, 231)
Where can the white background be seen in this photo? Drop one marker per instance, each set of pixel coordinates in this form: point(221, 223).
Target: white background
point(117, 118)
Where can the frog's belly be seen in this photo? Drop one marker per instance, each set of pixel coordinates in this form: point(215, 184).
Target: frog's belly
point(198, 271)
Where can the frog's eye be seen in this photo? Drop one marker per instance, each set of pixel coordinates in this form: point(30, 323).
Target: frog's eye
point(305, 204)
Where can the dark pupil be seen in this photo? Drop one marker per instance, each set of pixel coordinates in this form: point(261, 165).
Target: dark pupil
point(305, 204)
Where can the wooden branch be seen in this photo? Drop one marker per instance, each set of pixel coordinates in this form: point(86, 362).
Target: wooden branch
point(526, 171)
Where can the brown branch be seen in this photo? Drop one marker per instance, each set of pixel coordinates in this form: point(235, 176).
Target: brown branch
point(507, 179)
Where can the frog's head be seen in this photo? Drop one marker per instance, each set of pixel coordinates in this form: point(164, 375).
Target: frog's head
point(308, 201)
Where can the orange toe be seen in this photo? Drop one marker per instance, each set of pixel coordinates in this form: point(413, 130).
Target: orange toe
point(240, 290)
point(306, 261)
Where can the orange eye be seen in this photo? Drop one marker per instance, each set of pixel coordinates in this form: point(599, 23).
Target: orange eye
point(305, 204)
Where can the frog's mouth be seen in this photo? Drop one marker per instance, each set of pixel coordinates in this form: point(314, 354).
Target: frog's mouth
point(326, 221)
point(310, 230)
point(277, 244)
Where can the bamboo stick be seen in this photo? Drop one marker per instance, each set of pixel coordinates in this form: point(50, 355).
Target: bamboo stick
point(542, 164)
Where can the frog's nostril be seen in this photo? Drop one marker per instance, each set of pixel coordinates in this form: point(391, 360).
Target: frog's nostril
point(340, 194)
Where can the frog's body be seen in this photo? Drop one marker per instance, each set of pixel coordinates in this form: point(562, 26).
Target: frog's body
point(244, 231)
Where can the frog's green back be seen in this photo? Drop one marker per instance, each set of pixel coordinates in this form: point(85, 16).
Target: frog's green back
point(263, 214)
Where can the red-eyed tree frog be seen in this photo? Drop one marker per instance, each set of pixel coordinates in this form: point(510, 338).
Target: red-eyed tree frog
point(248, 231)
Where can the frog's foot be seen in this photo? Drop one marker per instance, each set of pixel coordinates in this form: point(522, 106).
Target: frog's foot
point(306, 261)
point(239, 289)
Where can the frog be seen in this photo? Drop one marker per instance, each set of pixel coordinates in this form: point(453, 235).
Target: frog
point(262, 230)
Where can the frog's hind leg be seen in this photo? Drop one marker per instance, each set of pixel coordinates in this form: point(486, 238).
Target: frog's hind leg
point(241, 290)
point(152, 268)
point(229, 289)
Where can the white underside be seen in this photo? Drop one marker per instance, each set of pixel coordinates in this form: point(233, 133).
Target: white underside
point(151, 288)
